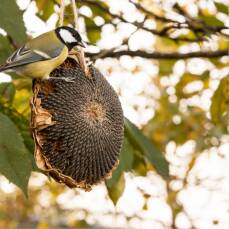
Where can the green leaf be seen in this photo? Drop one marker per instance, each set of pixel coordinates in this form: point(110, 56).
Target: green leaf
point(125, 162)
point(189, 35)
point(7, 92)
point(222, 8)
point(45, 8)
point(145, 146)
point(93, 31)
point(126, 156)
point(21, 103)
point(164, 44)
point(166, 67)
point(21, 123)
point(116, 190)
point(218, 63)
point(5, 48)
point(115, 185)
point(93, 36)
point(220, 100)
point(15, 163)
point(139, 166)
point(77, 224)
point(23, 126)
point(189, 78)
point(12, 20)
point(99, 12)
point(212, 20)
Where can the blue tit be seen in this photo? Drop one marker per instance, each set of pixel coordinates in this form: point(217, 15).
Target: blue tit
point(41, 55)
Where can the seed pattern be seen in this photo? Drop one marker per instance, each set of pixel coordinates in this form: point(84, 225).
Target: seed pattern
point(85, 141)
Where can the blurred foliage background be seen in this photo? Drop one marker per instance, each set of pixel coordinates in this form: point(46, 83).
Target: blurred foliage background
point(187, 104)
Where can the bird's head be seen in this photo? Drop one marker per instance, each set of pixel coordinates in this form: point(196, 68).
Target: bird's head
point(69, 36)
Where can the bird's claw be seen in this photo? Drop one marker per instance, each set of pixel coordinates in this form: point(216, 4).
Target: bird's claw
point(66, 79)
point(69, 79)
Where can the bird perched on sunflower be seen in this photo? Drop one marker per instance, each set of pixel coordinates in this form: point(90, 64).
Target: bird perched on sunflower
point(41, 55)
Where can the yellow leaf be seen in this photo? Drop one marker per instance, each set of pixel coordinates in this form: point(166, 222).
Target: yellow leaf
point(42, 225)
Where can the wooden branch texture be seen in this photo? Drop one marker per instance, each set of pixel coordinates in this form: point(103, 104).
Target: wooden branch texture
point(158, 55)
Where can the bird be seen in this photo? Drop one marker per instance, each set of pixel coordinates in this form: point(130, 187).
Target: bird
point(41, 55)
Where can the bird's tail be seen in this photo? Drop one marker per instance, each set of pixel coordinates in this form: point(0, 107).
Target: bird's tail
point(4, 67)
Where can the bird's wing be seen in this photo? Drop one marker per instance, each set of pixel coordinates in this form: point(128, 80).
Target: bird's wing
point(25, 55)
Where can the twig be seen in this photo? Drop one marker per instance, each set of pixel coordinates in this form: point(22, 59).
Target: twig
point(151, 14)
point(62, 7)
point(158, 55)
point(163, 32)
point(198, 25)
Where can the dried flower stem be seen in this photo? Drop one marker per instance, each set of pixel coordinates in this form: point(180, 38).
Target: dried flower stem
point(62, 7)
point(82, 57)
point(75, 12)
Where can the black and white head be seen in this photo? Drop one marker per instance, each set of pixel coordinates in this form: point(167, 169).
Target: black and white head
point(69, 36)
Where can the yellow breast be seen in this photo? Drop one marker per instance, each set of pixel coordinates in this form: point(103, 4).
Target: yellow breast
point(42, 69)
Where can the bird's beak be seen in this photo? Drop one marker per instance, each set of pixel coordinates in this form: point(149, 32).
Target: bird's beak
point(81, 43)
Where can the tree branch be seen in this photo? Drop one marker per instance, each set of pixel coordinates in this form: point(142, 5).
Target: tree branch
point(201, 31)
point(161, 33)
point(158, 55)
point(198, 25)
point(151, 14)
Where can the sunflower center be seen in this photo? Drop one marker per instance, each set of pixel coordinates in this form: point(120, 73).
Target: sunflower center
point(94, 113)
